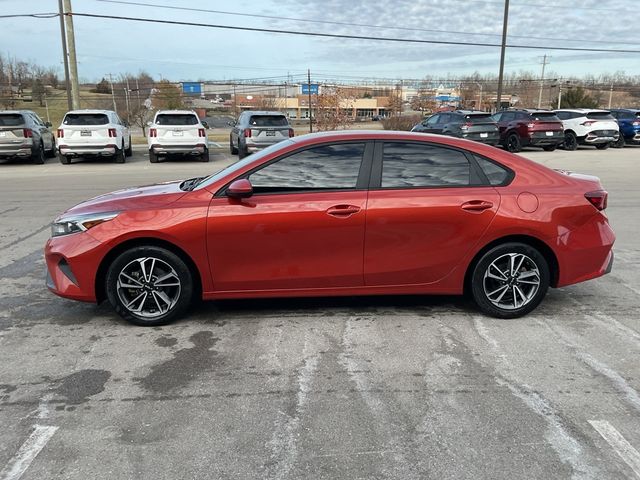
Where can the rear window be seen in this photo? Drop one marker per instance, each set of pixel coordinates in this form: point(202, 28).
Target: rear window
point(86, 119)
point(176, 119)
point(479, 118)
point(545, 116)
point(11, 120)
point(268, 121)
point(600, 116)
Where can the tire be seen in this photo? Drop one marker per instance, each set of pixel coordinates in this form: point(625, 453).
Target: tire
point(128, 151)
point(51, 153)
point(242, 151)
point(549, 148)
point(155, 304)
point(603, 146)
point(64, 160)
point(205, 155)
point(232, 149)
point(512, 143)
point(495, 294)
point(37, 156)
point(153, 158)
point(570, 141)
point(119, 156)
point(620, 143)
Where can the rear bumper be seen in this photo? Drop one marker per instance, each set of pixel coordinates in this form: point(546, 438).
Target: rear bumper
point(490, 139)
point(594, 138)
point(86, 150)
point(256, 147)
point(191, 149)
point(15, 150)
point(585, 252)
point(542, 139)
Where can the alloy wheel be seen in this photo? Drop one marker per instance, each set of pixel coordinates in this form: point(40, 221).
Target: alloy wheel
point(511, 281)
point(148, 287)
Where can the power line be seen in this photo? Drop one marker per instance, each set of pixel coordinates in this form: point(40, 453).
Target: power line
point(33, 15)
point(350, 37)
point(351, 24)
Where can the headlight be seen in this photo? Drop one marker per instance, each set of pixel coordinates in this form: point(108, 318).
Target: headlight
point(79, 223)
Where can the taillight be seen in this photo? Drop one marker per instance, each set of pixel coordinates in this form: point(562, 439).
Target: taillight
point(201, 132)
point(636, 123)
point(597, 198)
point(531, 125)
point(247, 132)
point(466, 126)
point(112, 132)
point(60, 133)
point(153, 132)
point(27, 133)
point(291, 132)
point(588, 123)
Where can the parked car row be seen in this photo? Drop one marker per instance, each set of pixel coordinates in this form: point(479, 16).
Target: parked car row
point(515, 129)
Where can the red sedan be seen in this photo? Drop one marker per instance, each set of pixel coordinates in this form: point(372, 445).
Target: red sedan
point(346, 213)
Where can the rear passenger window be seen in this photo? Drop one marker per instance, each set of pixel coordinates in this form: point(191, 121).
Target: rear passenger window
point(496, 174)
point(410, 165)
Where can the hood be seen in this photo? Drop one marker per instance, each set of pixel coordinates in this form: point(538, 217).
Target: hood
point(136, 198)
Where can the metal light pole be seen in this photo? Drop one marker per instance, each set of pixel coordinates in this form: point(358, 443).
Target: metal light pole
point(505, 21)
point(480, 99)
point(309, 85)
point(544, 64)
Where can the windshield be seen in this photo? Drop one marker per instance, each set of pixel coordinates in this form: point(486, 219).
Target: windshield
point(11, 120)
point(85, 119)
point(176, 119)
point(240, 164)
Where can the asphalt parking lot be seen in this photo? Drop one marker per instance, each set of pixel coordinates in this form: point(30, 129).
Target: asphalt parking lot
point(367, 388)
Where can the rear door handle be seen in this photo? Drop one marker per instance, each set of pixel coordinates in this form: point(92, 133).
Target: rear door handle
point(476, 205)
point(342, 210)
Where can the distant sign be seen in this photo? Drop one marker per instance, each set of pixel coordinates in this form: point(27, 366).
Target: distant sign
point(192, 88)
point(310, 88)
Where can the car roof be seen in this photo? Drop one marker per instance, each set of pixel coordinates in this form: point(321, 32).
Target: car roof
point(89, 110)
point(264, 112)
point(632, 110)
point(582, 110)
point(176, 112)
point(16, 112)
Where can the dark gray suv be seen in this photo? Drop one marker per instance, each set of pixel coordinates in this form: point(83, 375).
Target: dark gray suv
point(478, 126)
point(256, 130)
point(23, 134)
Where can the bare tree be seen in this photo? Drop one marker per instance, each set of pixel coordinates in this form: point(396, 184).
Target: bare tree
point(334, 107)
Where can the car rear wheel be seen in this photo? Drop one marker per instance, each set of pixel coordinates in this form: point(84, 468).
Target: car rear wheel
point(129, 151)
point(513, 143)
point(64, 160)
point(603, 146)
point(232, 148)
point(149, 286)
point(204, 157)
point(153, 158)
point(549, 148)
point(510, 280)
point(119, 157)
point(51, 153)
point(242, 151)
point(570, 141)
point(37, 156)
point(619, 143)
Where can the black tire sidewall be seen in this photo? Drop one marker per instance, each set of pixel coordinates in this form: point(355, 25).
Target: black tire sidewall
point(181, 268)
point(517, 145)
point(37, 155)
point(573, 145)
point(483, 263)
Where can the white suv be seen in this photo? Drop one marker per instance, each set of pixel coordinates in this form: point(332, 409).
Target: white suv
point(93, 133)
point(177, 132)
point(585, 126)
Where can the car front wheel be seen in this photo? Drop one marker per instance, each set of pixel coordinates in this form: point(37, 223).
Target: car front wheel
point(570, 141)
point(149, 286)
point(510, 280)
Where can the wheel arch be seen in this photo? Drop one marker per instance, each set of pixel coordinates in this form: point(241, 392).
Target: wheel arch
point(542, 247)
point(100, 287)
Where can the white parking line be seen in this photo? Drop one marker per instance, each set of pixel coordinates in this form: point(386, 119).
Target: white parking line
point(27, 452)
point(623, 448)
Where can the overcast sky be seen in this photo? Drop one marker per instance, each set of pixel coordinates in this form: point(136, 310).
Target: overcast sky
point(196, 53)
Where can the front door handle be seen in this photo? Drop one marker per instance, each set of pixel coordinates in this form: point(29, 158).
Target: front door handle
point(476, 205)
point(342, 211)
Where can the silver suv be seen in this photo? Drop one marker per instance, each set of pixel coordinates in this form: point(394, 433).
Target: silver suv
point(23, 134)
point(256, 130)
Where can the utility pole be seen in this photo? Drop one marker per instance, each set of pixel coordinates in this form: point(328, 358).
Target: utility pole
point(559, 93)
point(46, 105)
point(610, 95)
point(544, 64)
point(480, 99)
point(113, 97)
point(235, 103)
point(505, 21)
point(67, 80)
point(309, 90)
point(73, 64)
point(138, 91)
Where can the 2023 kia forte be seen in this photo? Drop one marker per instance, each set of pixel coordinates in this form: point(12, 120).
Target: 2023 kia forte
point(346, 213)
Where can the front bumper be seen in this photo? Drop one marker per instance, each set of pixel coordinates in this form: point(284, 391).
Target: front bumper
point(72, 263)
point(87, 150)
point(197, 149)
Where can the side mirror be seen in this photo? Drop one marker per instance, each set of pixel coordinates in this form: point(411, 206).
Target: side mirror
point(125, 123)
point(48, 124)
point(149, 124)
point(241, 188)
point(204, 124)
point(231, 124)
